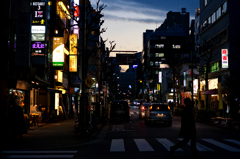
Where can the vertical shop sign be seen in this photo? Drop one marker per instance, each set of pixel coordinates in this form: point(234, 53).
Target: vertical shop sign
point(38, 30)
point(224, 58)
point(23, 31)
point(160, 77)
point(72, 63)
point(73, 53)
point(58, 51)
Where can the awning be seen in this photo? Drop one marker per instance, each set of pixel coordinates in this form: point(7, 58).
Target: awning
point(214, 91)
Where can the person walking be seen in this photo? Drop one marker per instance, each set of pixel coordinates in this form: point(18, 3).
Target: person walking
point(188, 129)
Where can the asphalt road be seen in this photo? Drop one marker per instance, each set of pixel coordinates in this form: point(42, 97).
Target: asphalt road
point(135, 140)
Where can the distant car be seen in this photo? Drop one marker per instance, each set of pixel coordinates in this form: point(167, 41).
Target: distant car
point(143, 109)
point(137, 102)
point(159, 113)
point(119, 111)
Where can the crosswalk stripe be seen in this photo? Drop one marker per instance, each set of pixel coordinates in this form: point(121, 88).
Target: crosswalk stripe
point(117, 145)
point(32, 152)
point(166, 143)
point(40, 156)
point(143, 145)
point(199, 146)
point(222, 145)
point(233, 141)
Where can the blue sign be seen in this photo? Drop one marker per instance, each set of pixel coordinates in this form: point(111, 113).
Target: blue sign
point(77, 80)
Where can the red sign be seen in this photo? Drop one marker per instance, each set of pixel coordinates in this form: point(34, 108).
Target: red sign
point(189, 73)
point(104, 90)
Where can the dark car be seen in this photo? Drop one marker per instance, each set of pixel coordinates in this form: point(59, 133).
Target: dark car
point(119, 111)
point(159, 113)
point(143, 109)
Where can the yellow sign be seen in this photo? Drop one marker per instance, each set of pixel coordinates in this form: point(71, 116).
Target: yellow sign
point(89, 81)
point(72, 63)
point(73, 44)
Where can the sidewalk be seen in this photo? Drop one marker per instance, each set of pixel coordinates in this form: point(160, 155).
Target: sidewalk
point(50, 136)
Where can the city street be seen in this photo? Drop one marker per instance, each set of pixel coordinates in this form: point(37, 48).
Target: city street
point(134, 140)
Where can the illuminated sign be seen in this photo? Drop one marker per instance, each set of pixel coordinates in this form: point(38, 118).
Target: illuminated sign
point(224, 58)
point(73, 43)
point(39, 22)
point(73, 63)
point(38, 45)
point(60, 76)
point(38, 29)
point(38, 37)
point(159, 77)
point(58, 51)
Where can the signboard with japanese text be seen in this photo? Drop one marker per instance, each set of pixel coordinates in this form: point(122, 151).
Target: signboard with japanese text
point(224, 58)
point(38, 37)
point(58, 51)
point(73, 44)
point(72, 63)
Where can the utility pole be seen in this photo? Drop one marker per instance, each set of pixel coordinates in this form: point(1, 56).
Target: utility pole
point(83, 103)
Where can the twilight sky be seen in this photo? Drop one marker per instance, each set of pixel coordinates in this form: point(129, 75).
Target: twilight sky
point(126, 20)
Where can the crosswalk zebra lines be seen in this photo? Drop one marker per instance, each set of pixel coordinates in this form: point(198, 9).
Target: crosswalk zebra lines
point(118, 145)
point(38, 154)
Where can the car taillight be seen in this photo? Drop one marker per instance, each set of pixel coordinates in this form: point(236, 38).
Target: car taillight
point(150, 107)
point(168, 107)
point(143, 107)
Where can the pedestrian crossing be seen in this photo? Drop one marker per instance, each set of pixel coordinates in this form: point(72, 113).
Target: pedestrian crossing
point(38, 154)
point(203, 145)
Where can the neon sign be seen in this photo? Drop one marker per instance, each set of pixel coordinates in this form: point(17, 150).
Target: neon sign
point(38, 45)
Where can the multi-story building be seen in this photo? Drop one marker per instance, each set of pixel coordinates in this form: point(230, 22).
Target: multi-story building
point(165, 48)
point(218, 34)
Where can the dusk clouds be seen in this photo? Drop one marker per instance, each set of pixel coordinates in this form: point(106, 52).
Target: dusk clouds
point(126, 20)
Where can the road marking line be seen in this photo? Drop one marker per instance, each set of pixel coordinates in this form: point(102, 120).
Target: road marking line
point(224, 146)
point(143, 145)
point(199, 146)
point(233, 141)
point(41, 156)
point(117, 145)
point(166, 143)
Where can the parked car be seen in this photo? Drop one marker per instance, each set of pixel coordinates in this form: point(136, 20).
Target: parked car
point(159, 113)
point(143, 109)
point(119, 111)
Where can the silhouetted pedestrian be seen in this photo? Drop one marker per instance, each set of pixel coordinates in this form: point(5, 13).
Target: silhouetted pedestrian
point(16, 119)
point(188, 129)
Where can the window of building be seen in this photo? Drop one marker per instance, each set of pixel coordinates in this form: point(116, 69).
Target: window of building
point(224, 7)
point(176, 46)
point(159, 54)
point(209, 20)
point(163, 37)
point(151, 54)
point(159, 45)
point(205, 2)
point(213, 17)
point(214, 67)
point(219, 12)
point(157, 63)
point(151, 63)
